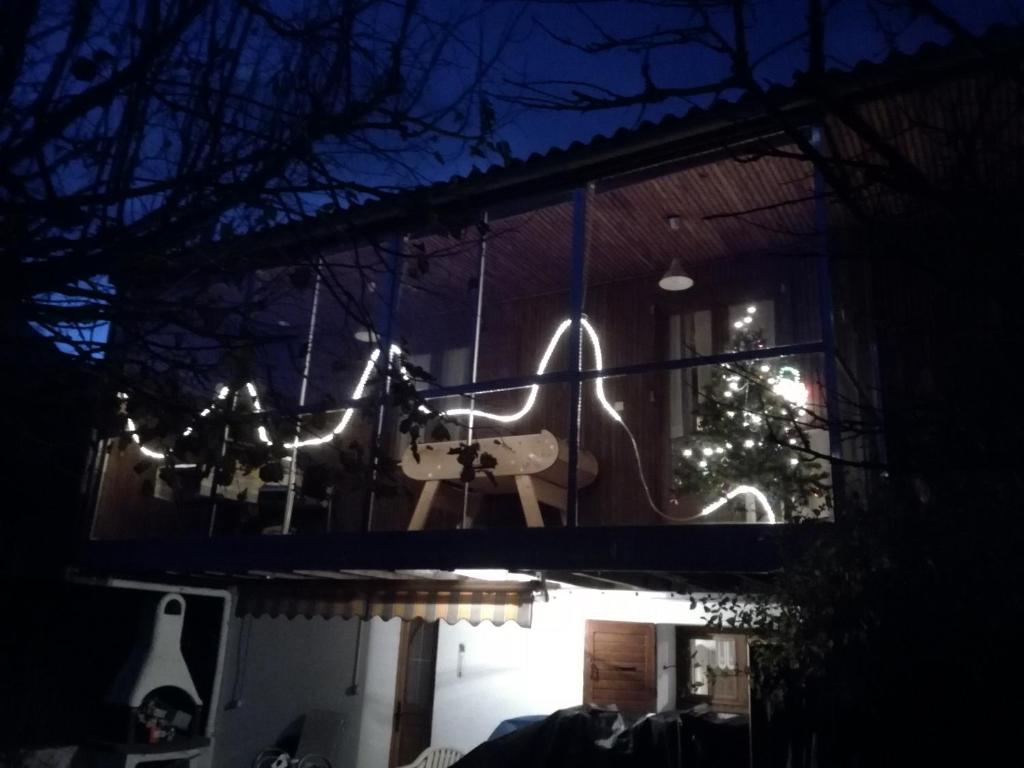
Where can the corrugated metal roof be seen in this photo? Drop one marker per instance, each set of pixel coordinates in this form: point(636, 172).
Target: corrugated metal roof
point(724, 123)
point(866, 76)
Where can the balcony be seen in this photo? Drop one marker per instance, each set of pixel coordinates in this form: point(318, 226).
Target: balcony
point(525, 391)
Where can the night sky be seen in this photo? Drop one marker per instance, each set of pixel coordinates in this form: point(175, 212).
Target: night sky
point(853, 34)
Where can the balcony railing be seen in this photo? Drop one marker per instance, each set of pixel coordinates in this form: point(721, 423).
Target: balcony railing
point(568, 384)
point(683, 442)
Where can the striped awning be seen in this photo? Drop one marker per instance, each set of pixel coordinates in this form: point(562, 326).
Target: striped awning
point(447, 601)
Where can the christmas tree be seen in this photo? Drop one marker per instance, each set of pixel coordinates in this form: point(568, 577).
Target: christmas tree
point(751, 449)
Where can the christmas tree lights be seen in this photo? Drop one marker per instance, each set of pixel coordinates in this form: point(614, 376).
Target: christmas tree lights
point(752, 424)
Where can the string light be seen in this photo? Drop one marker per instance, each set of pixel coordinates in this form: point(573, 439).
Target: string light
point(534, 388)
point(792, 390)
point(789, 387)
point(222, 394)
point(346, 417)
point(395, 350)
point(738, 490)
point(531, 398)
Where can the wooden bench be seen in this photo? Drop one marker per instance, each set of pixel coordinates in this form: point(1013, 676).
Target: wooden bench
point(534, 466)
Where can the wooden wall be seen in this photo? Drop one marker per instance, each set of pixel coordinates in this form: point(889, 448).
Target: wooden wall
point(513, 340)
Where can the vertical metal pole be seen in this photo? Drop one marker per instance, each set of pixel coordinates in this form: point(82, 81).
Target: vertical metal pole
point(105, 446)
point(385, 322)
point(289, 501)
point(828, 332)
point(579, 244)
point(481, 270)
point(223, 453)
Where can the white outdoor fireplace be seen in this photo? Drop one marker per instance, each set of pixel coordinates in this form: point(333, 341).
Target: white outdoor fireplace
point(154, 696)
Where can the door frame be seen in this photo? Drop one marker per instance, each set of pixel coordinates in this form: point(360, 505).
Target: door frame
point(405, 638)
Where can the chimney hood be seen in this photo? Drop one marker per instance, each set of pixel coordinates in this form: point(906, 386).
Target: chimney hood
point(158, 664)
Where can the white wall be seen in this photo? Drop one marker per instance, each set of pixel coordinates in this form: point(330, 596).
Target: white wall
point(378, 693)
point(666, 660)
point(278, 669)
point(281, 668)
point(509, 671)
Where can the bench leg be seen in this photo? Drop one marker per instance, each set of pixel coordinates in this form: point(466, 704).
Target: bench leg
point(419, 515)
point(528, 498)
point(550, 494)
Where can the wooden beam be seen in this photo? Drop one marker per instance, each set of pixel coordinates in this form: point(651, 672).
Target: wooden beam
point(705, 548)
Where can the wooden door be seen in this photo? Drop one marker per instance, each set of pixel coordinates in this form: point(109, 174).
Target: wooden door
point(619, 666)
point(414, 691)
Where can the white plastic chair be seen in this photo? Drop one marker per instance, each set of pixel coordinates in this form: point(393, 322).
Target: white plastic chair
point(435, 757)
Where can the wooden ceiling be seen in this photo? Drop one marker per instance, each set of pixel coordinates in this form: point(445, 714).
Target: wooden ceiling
point(732, 207)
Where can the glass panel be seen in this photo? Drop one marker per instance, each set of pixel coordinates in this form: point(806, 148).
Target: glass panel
point(677, 226)
point(512, 429)
point(436, 321)
point(281, 324)
point(355, 296)
point(526, 292)
point(740, 443)
point(196, 470)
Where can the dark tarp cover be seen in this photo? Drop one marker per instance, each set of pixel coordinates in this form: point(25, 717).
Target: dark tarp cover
point(587, 737)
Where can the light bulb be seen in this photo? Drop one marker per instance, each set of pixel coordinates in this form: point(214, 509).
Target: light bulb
point(792, 391)
point(707, 451)
point(751, 309)
point(687, 452)
point(748, 443)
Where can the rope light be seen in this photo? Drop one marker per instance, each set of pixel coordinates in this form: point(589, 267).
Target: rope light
point(789, 386)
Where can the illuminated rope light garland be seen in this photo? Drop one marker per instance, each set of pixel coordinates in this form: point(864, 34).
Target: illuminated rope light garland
point(357, 393)
point(508, 418)
point(222, 394)
point(738, 490)
point(531, 397)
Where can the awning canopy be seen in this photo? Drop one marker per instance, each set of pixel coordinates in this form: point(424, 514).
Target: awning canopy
point(496, 602)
